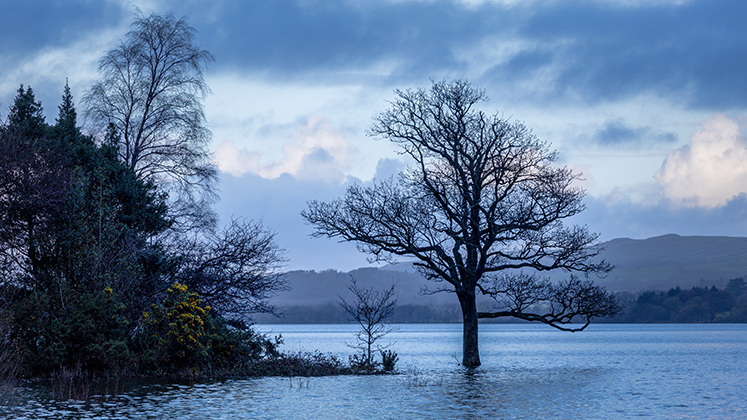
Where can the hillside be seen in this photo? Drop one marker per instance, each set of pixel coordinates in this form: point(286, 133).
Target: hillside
point(663, 262)
point(658, 263)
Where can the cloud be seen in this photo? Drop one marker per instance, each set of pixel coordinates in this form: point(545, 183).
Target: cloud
point(46, 70)
point(591, 51)
point(616, 216)
point(30, 25)
point(278, 202)
point(317, 151)
point(710, 170)
point(43, 43)
point(386, 168)
point(618, 133)
point(235, 161)
point(691, 49)
point(545, 51)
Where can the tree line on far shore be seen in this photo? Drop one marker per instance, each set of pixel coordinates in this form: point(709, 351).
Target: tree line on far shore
point(683, 306)
point(677, 305)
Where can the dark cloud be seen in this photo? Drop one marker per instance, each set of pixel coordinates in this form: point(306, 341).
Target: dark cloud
point(595, 50)
point(287, 38)
point(615, 218)
point(613, 52)
point(27, 26)
point(617, 133)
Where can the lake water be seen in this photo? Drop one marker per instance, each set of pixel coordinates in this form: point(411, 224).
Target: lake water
point(529, 372)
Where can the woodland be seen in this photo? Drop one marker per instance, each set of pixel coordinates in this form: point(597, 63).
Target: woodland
point(112, 263)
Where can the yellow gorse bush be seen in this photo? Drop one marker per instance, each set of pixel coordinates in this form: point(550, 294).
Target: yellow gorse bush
point(179, 327)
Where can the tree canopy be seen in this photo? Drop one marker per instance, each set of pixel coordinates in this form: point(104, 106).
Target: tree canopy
point(151, 90)
point(88, 278)
point(482, 201)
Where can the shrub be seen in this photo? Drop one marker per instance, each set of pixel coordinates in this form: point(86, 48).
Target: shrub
point(174, 333)
point(388, 360)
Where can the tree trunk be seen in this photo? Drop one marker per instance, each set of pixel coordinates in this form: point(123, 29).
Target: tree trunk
point(470, 351)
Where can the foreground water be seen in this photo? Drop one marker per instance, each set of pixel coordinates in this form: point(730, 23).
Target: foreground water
point(528, 372)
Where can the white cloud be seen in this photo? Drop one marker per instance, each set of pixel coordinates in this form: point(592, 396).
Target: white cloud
point(235, 161)
point(261, 116)
point(317, 151)
point(710, 170)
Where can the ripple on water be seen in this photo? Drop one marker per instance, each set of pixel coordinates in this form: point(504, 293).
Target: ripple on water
point(529, 372)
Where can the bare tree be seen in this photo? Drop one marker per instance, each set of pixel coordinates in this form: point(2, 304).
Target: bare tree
point(369, 309)
point(152, 90)
point(532, 298)
point(483, 201)
point(236, 271)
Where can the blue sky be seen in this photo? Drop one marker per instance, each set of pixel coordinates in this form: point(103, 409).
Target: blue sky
point(647, 98)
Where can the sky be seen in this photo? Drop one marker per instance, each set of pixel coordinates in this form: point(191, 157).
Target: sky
point(646, 98)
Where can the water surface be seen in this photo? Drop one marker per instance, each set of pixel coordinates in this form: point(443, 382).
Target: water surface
point(529, 371)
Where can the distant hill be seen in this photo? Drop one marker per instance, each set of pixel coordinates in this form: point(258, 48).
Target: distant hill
point(659, 263)
point(668, 261)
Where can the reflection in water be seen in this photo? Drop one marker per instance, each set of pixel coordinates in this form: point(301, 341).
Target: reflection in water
point(529, 372)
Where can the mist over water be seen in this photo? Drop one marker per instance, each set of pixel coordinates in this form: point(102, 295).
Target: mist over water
point(528, 372)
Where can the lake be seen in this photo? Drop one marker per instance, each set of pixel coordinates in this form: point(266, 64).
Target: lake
point(529, 371)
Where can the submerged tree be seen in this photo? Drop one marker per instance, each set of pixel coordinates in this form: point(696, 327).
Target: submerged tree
point(369, 310)
point(483, 201)
point(151, 90)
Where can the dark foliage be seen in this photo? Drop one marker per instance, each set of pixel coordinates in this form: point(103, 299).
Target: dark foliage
point(299, 364)
point(696, 305)
point(75, 224)
point(236, 271)
point(389, 360)
point(82, 265)
point(10, 361)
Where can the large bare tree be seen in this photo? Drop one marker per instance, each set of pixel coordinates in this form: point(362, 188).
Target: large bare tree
point(481, 210)
point(151, 91)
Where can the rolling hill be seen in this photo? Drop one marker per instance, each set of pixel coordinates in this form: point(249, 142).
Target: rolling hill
point(658, 263)
point(668, 261)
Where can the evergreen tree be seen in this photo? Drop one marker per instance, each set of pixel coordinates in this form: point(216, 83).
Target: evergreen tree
point(26, 117)
point(32, 187)
point(80, 258)
point(76, 240)
point(68, 117)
